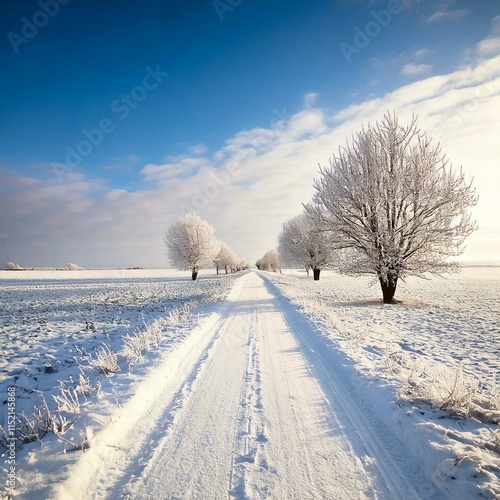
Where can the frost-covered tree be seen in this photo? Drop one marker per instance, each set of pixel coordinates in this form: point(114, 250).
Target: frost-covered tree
point(227, 258)
point(301, 244)
point(271, 261)
point(218, 258)
point(391, 199)
point(243, 264)
point(191, 243)
point(11, 266)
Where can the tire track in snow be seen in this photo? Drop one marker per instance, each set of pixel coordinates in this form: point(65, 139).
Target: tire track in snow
point(312, 458)
point(165, 423)
point(194, 460)
point(401, 472)
point(249, 476)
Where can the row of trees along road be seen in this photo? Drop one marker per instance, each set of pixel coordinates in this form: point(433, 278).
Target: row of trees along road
point(271, 261)
point(389, 204)
point(191, 245)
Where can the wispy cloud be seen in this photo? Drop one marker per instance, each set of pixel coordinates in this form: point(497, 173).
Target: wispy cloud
point(446, 15)
point(413, 69)
point(423, 53)
point(491, 44)
point(198, 149)
point(310, 99)
point(179, 167)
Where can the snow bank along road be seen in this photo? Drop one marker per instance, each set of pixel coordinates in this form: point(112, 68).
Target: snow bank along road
point(250, 407)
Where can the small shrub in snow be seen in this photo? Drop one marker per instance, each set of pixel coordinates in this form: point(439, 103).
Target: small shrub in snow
point(134, 348)
point(394, 362)
point(155, 332)
point(176, 315)
point(136, 345)
point(85, 438)
point(84, 386)
point(453, 393)
point(67, 399)
point(456, 394)
point(447, 391)
point(34, 428)
point(173, 317)
point(60, 424)
point(106, 360)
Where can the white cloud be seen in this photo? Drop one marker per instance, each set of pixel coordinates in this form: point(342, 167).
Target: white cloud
point(422, 53)
point(489, 46)
point(198, 149)
point(310, 99)
point(11, 183)
point(446, 15)
point(413, 69)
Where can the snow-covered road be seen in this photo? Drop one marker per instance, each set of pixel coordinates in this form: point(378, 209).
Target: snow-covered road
point(251, 407)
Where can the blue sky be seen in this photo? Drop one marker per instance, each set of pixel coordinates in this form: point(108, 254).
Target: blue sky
point(173, 92)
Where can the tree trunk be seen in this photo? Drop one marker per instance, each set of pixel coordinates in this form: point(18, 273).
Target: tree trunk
point(388, 288)
point(307, 271)
point(217, 267)
point(316, 272)
point(194, 274)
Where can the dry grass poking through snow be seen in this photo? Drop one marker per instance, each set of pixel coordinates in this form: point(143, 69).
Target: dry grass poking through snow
point(454, 393)
point(61, 332)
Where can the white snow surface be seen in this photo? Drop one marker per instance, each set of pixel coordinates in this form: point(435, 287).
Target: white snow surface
point(287, 388)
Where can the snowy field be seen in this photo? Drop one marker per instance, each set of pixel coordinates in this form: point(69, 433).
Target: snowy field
point(396, 382)
point(446, 322)
point(52, 319)
point(55, 325)
point(434, 356)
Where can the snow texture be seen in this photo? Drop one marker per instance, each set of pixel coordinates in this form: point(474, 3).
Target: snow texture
point(286, 388)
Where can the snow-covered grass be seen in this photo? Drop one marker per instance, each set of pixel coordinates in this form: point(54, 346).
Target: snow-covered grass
point(434, 356)
point(74, 342)
point(443, 335)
